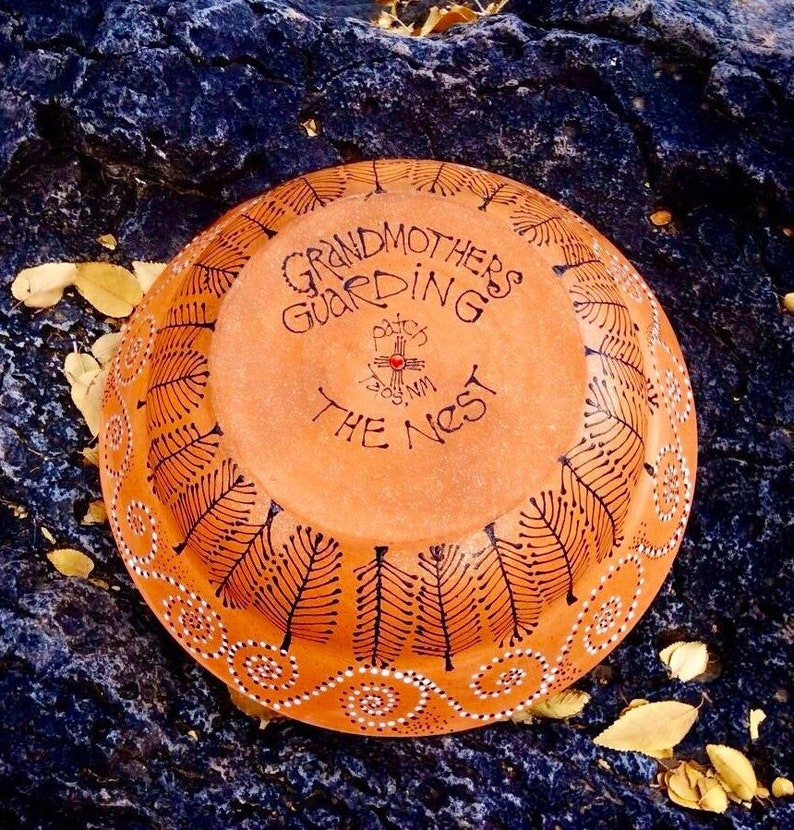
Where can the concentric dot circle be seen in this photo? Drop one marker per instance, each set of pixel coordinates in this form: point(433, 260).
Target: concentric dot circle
point(195, 624)
point(506, 673)
point(606, 613)
point(382, 704)
point(135, 351)
point(668, 485)
point(259, 669)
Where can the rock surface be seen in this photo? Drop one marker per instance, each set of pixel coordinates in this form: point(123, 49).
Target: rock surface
point(147, 118)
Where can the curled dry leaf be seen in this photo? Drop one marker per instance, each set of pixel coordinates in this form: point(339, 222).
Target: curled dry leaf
point(251, 708)
point(43, 285)
point(661, 218)
point(685, 660)
point(71, 562)
point(693, 786)
point(111, 289)
point(560, 706)
point(76, 364)
point(440, 19)
point(782, 787)
point(87, 396)
point(310, 127)
point(107, 240)
point(653, 728)
point(90, 455)
point(713, 797)
point(96, 514)
point(757, 717)
point(105, 347)
point(734, 769)
point(147, 272)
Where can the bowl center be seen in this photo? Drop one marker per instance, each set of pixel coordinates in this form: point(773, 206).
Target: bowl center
point(395, 371)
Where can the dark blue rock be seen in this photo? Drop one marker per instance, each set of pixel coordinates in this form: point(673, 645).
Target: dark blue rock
point(148, 118)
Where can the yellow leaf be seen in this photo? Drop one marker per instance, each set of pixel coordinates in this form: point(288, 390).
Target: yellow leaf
point(105, 347)
point(452, 15)
point(563, 705)
point(45, 532)
point(685, 660)
point(43, 286)
point(87, 396)
point(76, 364)
point(90, 455)
point(107, 240)
point(653, 728)
point(782, 787)
point(761, 791)
point(251, 707)
point(679, 785)
point(757, 717)
point(147, 272)
point(633, 704)
point(734, 769)
point(71, 562)
point(714, 798)
point(96, 514)
point(660, 218)
point(310, 126)
point(111, 289)
point(788, 302)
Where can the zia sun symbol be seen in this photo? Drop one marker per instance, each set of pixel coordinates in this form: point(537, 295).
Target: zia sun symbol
point(398, 363)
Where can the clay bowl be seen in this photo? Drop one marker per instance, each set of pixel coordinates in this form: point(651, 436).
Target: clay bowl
point(399, 447)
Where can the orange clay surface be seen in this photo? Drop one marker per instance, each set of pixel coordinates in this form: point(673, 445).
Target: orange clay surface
point(399, 447)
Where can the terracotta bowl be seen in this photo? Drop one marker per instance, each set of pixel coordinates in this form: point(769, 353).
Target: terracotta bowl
point(399, 447)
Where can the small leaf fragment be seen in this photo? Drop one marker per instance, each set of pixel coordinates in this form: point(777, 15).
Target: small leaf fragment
point(105, 347)
point(734, 769)
point(43, 285)
point(562, 705)
point(788, 303)
point(147, 272)
point(71, 562)
point(90, 455)
point(310, 127)
point(250, 707)
point(76, 364)
point(47, 534)
point(757, 717)
point(653, 728)
point(661, 218)
point(111, 289)
point(782, 787)
point(96, 513)
point(685, 660)
point(107, 240)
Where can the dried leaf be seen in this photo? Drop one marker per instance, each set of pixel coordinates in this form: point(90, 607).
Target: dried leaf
point(660, 218)
point(107, 240)
point(653, 728)
point(147, 272)
point(788, 302)
point(782, 787)
point(87, 396)
point(757, 717)
point(633, 704)
point(250, 707)
point(71, 562)
point(734, 769)
point(685, 660)
point(96, 514)
point(439, 20)
point(111, 289)
point(563, 705)
point(76, 364)
point(45, 532)
point(761, 791)
point(90, 455)
point(714, 798)
point(43, 286)
point(310, 126)
point(106, 346)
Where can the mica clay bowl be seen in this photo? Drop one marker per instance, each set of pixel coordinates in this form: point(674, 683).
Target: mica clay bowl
point(399, 447)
